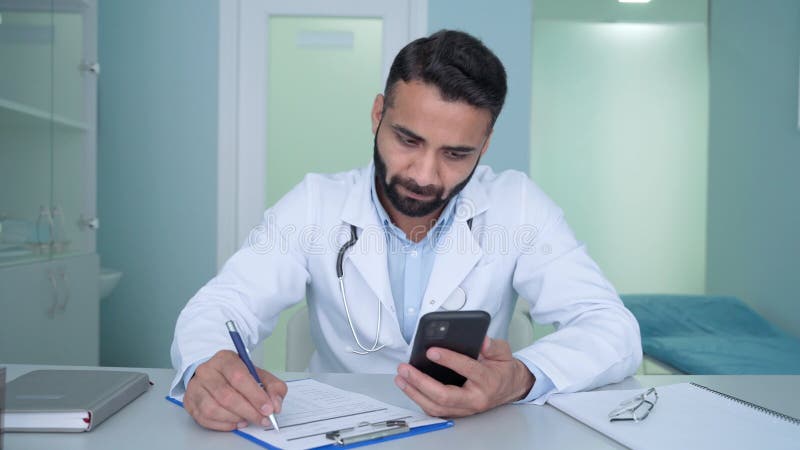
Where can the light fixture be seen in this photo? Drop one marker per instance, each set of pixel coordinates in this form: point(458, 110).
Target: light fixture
point(634, 1)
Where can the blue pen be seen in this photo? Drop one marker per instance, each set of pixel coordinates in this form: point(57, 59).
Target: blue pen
point(242, 351)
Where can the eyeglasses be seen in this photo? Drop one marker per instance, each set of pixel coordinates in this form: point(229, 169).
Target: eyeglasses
point(636, 408)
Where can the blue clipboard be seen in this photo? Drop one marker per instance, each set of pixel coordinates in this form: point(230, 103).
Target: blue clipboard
point(333, 446)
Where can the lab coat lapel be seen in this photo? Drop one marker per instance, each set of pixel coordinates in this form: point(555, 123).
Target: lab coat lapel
point(369, 253)
point(369, 258)
point(453, 261)
point(457, 250)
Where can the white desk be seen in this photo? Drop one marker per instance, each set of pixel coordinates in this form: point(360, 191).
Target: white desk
point(151, 422)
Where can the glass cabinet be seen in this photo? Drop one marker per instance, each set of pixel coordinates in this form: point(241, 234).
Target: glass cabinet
point(48, 264)
point(47, 130)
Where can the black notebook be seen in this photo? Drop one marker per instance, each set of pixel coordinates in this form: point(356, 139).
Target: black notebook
point(68, 400)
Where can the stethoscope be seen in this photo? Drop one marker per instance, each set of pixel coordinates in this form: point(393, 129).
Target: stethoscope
point(460, 299)
point(340, 275)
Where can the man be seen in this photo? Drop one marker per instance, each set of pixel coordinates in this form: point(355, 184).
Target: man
point(423, 228)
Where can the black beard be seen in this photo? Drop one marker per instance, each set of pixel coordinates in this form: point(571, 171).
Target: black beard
point(408, 206)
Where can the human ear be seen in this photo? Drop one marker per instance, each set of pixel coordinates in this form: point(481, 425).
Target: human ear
point(486, 142)
point(377, 112)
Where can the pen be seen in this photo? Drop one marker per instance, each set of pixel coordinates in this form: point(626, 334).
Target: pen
point(242, 351)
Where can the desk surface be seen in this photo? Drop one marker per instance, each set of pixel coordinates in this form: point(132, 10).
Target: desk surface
point(152, 422)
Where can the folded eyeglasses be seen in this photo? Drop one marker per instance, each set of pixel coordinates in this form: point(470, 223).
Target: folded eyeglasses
point(635, 409)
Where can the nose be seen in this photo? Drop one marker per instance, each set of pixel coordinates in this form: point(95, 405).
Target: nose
point(425, 169)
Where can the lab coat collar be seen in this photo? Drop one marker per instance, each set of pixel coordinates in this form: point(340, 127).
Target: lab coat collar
point(358, 209)
point(457, 254)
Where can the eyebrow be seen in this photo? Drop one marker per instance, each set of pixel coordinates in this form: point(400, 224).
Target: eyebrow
point(410, 134)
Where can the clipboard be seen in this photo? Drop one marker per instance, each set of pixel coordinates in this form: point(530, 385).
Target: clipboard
point(391, 430)
point(351, 429)
point(367, 432)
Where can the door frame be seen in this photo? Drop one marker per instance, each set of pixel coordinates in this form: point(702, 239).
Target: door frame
point(242, 95)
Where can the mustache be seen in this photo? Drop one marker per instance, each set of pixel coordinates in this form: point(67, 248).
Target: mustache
point(412, 186)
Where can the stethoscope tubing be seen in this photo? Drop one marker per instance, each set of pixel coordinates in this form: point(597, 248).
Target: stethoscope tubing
point(340, 275)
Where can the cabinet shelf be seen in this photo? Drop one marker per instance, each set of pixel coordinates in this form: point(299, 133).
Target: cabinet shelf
point(18, 115)
point(10, 259)
point(20, 259)
point(69, 6)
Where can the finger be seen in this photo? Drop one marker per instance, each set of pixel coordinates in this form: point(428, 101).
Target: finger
point(234, 403)
point(429, 406)
point(205, 409)
point(199, 401)
point(229, 396)
point(202, 406)
point(496, 349)
point(213, 401)
point(461, 364)
point(438, 393)
point(276, 388)
point(237, 375)
point(219, 425)
point(487, 341)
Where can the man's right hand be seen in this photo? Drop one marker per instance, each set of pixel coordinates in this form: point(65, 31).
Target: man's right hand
point(222, 395)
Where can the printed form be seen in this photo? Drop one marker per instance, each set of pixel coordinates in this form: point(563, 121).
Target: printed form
point(312, 409)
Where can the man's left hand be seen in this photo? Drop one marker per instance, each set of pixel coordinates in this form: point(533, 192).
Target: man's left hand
point(494, 379)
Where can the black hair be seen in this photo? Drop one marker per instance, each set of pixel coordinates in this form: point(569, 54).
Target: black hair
point(458, 64)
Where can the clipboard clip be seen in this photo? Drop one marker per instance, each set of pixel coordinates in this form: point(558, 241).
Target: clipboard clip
point(366, 431)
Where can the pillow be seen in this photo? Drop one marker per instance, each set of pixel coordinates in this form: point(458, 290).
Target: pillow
point(687, 315)
point(727, 355)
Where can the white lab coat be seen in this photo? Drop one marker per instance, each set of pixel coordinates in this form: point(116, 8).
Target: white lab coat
point(519, 244)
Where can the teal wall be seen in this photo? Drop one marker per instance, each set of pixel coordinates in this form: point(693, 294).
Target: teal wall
point(619, 139)
point(157, 168)
point(754, 156)
point(505, 28)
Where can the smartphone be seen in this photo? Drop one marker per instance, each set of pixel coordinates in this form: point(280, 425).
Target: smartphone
point(459, 331)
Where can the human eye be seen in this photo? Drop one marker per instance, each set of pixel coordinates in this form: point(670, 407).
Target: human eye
point(455, 156)
point(407, 141)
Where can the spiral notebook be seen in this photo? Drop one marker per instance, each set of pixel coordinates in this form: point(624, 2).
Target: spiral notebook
point(686, 416)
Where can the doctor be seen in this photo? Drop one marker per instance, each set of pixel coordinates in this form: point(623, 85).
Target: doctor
point(423, 228)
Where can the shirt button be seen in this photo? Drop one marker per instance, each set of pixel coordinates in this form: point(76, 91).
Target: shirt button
point(414, 253)
point(411, 310)
point(432, 301)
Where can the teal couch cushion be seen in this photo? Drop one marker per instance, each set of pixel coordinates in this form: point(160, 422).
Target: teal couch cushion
point(712, 335)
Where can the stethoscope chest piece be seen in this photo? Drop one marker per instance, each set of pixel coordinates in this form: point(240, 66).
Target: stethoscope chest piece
point(456, 300)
